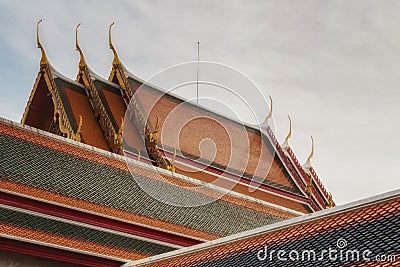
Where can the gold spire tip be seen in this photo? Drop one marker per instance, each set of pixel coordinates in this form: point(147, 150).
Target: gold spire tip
point(289, 135)
point(116, 59)
point(37, 34)
point(270, 111)
point(312, 150)
point(76, 37)
point(43, 60)
point(109, 36)
point(78, 48)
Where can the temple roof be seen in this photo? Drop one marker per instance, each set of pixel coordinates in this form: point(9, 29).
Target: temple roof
point(366, 226)
point(94, 111)
point(267, 162)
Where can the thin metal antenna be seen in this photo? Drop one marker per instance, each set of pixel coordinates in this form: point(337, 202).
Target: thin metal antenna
point(197, 83)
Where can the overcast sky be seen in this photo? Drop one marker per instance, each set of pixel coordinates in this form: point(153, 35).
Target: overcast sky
point(332, 65)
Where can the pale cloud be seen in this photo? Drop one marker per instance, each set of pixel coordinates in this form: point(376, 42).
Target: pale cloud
point(332, 65)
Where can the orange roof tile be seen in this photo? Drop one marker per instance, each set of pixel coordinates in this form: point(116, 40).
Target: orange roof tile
point(359, 220)
point(184, 126)
point(54, 239)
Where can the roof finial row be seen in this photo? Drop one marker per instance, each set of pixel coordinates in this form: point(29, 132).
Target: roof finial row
point(285, 144)
point(43, 60)
point(78, 48)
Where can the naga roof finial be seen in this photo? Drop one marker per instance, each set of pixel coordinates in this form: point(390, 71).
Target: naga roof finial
point(116, 59)
point(171, 167)
point(285, 145)
point(307, 165)
point(78, 48)
point(43, 60)
point(330, 201)
point(270, 112)
point(309, 187)
point(153, 136)
point(312, 150)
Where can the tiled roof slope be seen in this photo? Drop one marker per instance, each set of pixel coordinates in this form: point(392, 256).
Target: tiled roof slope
point(30, 226)
point(267, 162)
point(221, 130)
point(287, 190)
point(68, 173)
point(364, 233)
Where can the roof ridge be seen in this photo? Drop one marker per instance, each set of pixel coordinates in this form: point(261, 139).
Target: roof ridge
point(258, 129)
point(103, 80)
point(57, 74)
point(200, 106)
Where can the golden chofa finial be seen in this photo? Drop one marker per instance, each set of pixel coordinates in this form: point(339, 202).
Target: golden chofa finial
point(307, 165)
point(43, 60)
point(285, 144)
point(116, 59)
point(330, 201)
point(154, 135)
point(270, 112)
point(171, 167)
point(78, 48)
point(77, 136)
point(309, 187)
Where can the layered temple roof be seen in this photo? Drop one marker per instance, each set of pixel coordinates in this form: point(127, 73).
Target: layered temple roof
point(92, 110)
point(69, 172)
